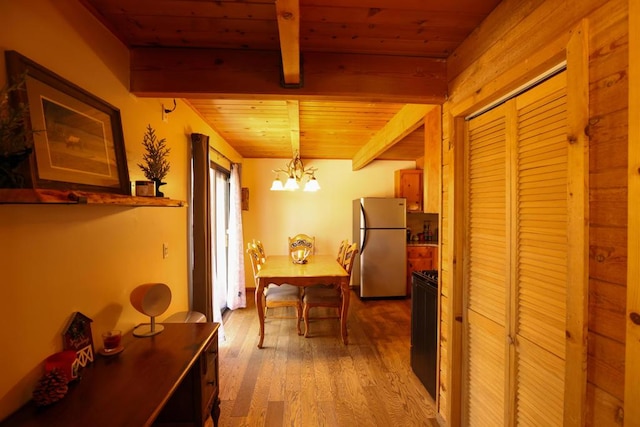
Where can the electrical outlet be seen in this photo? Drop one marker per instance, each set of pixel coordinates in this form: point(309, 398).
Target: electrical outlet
point(165, 250)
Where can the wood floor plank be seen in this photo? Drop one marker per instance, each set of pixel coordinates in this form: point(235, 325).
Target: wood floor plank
point(322, 372)
point(378, 409)
point(309, 409)
point(318, 381)
point(236, 353)
point(247, 386)
point(275, 414)
point(293, 385)
point(259, 407)
point(277, 370)
point(327, 414)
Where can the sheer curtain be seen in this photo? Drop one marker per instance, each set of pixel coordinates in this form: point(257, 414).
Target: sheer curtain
point(237, 290)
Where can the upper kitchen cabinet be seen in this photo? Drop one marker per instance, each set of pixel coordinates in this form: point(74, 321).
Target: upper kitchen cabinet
point(432, 159)
point(408, 184)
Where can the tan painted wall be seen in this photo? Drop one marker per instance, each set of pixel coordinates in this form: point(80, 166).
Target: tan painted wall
point(517, 42)
point(56, 260)
point(273, 216)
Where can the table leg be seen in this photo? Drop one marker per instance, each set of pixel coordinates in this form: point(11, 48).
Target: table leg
point(344, 310)
point(260, 309)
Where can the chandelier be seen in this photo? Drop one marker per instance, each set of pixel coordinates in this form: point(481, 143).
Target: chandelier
point(295, 171)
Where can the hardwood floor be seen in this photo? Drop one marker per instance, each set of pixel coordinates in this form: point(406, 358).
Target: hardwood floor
point(318, 381)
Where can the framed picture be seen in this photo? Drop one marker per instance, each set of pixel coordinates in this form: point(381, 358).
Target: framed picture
point(78, 141)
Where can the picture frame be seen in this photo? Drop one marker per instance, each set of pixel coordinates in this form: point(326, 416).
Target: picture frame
point(78, 142)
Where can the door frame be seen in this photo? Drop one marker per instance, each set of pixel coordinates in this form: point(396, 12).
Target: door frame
point(632, 370)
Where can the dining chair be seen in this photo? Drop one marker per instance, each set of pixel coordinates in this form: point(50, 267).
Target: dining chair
point(284, 295)
point(302, 241)
point(328, 296)
point(342, 250)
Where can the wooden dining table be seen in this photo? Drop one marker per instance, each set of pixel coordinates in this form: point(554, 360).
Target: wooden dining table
point(319, 269)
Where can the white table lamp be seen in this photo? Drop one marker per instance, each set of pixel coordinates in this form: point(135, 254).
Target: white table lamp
point(151, 299)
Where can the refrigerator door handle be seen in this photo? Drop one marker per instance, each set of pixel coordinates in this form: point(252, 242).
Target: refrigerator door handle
point(363, 217)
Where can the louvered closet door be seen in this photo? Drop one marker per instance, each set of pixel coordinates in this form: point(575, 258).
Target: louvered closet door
point(487, 269)
point(517, 254)
point(541, 254)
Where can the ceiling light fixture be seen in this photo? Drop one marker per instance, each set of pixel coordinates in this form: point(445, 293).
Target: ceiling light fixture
point(295, 171)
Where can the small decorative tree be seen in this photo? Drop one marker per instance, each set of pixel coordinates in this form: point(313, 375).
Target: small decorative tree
point(156, 166)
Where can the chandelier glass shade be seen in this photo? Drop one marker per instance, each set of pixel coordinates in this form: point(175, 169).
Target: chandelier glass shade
point(295, 171)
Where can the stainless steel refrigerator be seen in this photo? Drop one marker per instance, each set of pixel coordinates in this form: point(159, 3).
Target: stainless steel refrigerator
point(379, 227)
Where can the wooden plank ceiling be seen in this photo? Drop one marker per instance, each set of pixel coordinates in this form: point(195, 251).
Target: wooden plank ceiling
point(330, 79)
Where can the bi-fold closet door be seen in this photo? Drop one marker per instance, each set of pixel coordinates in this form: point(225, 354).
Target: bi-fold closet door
point(516, 257)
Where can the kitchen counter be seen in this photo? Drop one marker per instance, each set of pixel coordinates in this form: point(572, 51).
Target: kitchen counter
point(422, 244)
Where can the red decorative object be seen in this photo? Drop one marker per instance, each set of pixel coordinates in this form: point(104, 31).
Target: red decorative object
point(77, 336)
point(65, 362)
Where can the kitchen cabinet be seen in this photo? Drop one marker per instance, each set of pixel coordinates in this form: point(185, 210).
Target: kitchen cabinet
point(420, 257)
point(409, 184)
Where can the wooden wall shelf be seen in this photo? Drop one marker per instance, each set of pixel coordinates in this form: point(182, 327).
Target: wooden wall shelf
point(70, 197)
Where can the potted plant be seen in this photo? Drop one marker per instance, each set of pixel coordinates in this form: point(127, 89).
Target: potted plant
point(16, 139)
point(156, 166)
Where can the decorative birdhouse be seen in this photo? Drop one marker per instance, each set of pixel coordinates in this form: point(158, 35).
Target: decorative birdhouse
point(77, 336)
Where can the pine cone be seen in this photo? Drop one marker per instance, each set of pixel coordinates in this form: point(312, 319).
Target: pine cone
point(51, 388)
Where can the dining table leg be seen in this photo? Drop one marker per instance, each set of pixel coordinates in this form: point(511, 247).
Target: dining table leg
point(260, 309)
point(344, 310)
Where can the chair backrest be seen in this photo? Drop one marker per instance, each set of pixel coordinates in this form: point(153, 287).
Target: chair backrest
point(349, 257)
point(256, 263)
point(341, 251)
point(252, 245)
point(257, 246)
point(301, 241)
point(260, 248)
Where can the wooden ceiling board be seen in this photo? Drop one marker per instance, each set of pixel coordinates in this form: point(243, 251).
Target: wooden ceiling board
point(411, 147)
point(365, 60)
point(384, 31)
point(482, 7)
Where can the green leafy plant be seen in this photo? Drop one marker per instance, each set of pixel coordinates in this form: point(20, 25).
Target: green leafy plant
point(156, 166)
point(15, 136)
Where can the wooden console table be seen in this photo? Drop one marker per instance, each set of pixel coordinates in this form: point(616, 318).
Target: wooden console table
point(169, 379)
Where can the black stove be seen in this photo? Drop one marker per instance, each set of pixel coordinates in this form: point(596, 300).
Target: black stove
point(424, 327)
point(429, 277)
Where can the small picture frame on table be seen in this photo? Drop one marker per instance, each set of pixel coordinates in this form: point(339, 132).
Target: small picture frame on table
point(78, 139)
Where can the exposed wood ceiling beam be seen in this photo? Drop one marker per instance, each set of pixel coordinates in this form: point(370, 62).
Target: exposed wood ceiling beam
point(288, 12)
point(408, 119)
point(225, 73)
point(294, 125)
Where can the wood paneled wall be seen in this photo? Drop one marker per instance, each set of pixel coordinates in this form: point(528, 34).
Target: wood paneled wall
point(517, 42)
point(608, 155)
point(632, 344)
